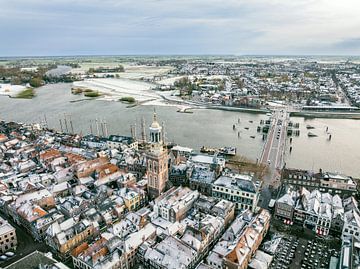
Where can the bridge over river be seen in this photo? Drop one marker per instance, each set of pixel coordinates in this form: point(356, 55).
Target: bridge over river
point(272, 154)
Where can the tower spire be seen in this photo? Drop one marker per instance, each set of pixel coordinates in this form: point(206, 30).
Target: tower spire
point(154, 116)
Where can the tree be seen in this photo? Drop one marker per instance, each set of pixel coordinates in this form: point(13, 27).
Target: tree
point(36, 82)
point(15, 81)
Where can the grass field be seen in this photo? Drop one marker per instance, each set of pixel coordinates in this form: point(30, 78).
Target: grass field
point(28, 93)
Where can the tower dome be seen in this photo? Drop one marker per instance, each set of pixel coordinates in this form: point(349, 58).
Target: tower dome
point(155, 131)
point(155, 123)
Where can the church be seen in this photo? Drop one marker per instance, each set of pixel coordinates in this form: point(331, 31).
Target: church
point(156, 160)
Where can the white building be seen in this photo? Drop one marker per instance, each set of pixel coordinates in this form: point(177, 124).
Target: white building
point(239, 189)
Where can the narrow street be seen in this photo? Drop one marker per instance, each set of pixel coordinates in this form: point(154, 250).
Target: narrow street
point(26, 244)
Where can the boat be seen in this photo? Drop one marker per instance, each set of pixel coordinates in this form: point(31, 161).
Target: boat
point(231, 151)
point(228, 151)
point(309, 127)
point(207, 150)
point(310, 134)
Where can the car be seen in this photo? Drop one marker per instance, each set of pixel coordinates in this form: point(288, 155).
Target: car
point(3, 258)
point(269, 162)
point(10, 254)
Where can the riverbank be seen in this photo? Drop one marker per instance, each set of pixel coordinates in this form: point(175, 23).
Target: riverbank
point(329, 115)
point(239, 109)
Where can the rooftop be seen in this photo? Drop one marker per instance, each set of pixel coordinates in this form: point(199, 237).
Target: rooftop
point(242, 182)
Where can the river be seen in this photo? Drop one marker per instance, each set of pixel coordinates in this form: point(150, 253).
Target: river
point(212, 128)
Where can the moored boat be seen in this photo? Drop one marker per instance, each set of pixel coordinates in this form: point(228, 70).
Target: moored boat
point(228, 151)
point(207, 150)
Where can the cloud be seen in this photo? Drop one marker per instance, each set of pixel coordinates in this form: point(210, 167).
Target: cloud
point(48, 27)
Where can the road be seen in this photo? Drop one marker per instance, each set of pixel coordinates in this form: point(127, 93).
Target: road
point(273, 153)
point(26, 244)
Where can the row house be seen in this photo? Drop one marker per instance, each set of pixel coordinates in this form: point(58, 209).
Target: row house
point(333, 183)
point(175, 203)
point(63, 237)
point(106, 252)
point(320, 212)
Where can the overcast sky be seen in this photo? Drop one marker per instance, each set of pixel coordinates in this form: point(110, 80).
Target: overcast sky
point(108, 27)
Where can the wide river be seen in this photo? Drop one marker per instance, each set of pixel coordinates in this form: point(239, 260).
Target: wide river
point(212, 128)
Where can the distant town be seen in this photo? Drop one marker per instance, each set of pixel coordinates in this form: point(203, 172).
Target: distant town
point(307, 86)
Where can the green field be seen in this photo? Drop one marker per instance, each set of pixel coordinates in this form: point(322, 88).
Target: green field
point(29, 93)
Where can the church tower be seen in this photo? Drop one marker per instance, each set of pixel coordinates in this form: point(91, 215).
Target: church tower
point(156, 161)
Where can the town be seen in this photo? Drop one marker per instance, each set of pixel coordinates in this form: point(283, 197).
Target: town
point(307, 86)
point(112, 201)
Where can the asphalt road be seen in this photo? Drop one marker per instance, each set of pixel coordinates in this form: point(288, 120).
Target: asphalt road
point(26, 244)
point(273, 153)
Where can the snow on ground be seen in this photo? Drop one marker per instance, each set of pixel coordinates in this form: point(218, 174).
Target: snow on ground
point(113, 89)
point(131, 71)
point(142, 71)
point(11, 90)
point(170, 81)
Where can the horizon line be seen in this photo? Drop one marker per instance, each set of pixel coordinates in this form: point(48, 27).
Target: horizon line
point(178, 55)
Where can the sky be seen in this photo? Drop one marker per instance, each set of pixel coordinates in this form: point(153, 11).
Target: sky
point(163, 27)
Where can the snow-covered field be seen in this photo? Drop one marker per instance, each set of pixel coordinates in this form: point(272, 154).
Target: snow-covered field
point(11, 90)
point(113, 89)
point(142, 71)
point(131, 71)
point(170, 81)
